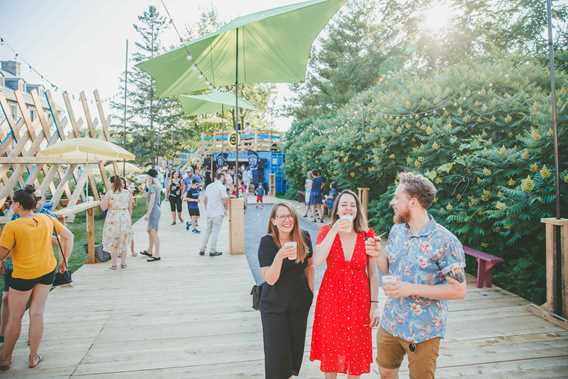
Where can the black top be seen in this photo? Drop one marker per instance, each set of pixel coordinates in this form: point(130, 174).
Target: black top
point(193, 193)
point(175, 188)
point(291, 290)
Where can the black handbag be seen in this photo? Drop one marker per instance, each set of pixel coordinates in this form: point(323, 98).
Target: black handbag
point(101, 255)
point(256, 291)
point(65, 276)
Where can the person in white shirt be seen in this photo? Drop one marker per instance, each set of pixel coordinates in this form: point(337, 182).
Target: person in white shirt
point(214, 200)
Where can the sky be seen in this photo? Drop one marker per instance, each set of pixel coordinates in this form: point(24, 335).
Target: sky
point(80, 44)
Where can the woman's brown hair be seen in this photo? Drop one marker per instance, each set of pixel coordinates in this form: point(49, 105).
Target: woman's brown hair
point(360, 221)
point(296, 232)
point(117, 184)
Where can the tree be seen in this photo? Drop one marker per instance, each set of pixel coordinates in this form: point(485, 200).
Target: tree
point(150, 120)
point(360, 45)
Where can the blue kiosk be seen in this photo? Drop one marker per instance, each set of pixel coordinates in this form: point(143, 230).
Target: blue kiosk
point(259, 150)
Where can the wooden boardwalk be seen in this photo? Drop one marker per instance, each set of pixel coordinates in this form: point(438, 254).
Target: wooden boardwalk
point(190, 317)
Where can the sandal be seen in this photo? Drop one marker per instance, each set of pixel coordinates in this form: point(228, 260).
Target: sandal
point(123, 266)
point(34, 362)
point(145, 252)
point(5, 365)
point(113, 267)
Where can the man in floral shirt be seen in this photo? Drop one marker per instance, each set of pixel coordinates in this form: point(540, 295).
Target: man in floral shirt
point(427, 262)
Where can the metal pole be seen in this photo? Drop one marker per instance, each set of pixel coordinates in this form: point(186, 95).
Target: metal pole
point(236, 181)
point(125, 93)
point(155, 158)
point(558, 301)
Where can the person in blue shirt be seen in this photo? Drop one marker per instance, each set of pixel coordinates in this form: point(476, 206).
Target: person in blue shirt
point(192, 198)
point(259, 192)
point(316, 200)
point(424, 263)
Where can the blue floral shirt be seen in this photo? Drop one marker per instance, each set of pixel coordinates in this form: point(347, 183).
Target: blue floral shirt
point(422, 258)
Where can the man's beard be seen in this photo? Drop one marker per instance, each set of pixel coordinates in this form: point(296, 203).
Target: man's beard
point(402, 217)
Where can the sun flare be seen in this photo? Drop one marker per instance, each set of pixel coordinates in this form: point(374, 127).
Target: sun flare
point(437, 18)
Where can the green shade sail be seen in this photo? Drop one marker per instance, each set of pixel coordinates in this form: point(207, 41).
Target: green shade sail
point(212, 102)
point(273, 47)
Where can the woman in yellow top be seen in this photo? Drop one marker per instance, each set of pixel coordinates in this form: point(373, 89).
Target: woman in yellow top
point(29, 241)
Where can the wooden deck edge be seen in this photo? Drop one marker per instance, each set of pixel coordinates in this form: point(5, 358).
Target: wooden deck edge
point(548, 316)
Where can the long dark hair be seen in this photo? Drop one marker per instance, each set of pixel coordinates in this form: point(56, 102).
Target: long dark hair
point(296, 232)
point(117, 183)
point(360, 221)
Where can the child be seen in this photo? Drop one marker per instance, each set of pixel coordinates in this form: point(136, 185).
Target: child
point(259, 195)
point(192, 198)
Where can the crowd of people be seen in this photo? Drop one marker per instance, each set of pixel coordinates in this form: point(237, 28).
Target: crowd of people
point(421, 265)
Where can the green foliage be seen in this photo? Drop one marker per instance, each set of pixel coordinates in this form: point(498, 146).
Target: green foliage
point(479, 130)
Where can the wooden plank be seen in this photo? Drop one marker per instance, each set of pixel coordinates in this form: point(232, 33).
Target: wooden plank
point(56, 197)
point(550, 251)
point(555, 221)
point(46, 130)
point(76, 126)
point(79, 189)
point(48, 179)
point(91, 236)
point(564, 263)
point(68, 211)
point(90, 127)
point(105, 122)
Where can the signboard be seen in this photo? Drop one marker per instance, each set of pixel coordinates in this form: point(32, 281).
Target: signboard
point(233, 138)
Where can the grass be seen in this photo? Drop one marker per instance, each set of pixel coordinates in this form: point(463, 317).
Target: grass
point(79, 229)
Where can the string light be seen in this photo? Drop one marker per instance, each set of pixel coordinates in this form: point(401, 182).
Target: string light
point(189, 56)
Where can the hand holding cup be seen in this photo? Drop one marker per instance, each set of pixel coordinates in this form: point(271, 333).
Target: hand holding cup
point(293, 246)
point(288, 250)
point(345, 223)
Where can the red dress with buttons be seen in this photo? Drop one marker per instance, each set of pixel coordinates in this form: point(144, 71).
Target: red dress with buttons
point(341, 335)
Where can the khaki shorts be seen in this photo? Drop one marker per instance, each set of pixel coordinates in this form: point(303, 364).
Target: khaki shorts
point(421, 361)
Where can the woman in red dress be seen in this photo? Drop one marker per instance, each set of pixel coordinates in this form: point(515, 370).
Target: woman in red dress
point(346, 307)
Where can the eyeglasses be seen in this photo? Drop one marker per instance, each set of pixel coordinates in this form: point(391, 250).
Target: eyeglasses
point(284, 217)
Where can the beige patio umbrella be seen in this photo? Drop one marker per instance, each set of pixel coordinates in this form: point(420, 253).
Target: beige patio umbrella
point(89, 149)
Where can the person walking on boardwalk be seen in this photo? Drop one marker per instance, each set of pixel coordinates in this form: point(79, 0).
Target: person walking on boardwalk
point(307, 190)
point(214, 201)
point(285, 256)
point(316, 199)
point(29, 241)
point(117, 230)
point(425, 265)
point(174, 192)
point(153, 215)
point(192, 198)
point(346, 307)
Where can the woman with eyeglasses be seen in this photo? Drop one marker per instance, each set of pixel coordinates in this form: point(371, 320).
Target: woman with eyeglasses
point(29, 242)
point(285, 255)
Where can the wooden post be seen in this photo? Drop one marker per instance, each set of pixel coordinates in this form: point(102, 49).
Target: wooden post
point(552, 265)
point(363, 193)
point(272, 185)
point(236, 226)
point(91, 235)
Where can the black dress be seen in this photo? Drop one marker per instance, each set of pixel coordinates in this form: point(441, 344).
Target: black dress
point(284, 309)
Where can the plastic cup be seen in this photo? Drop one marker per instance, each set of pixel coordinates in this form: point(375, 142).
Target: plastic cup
point(292, 245)
point(389, 279)
point(348, 218)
